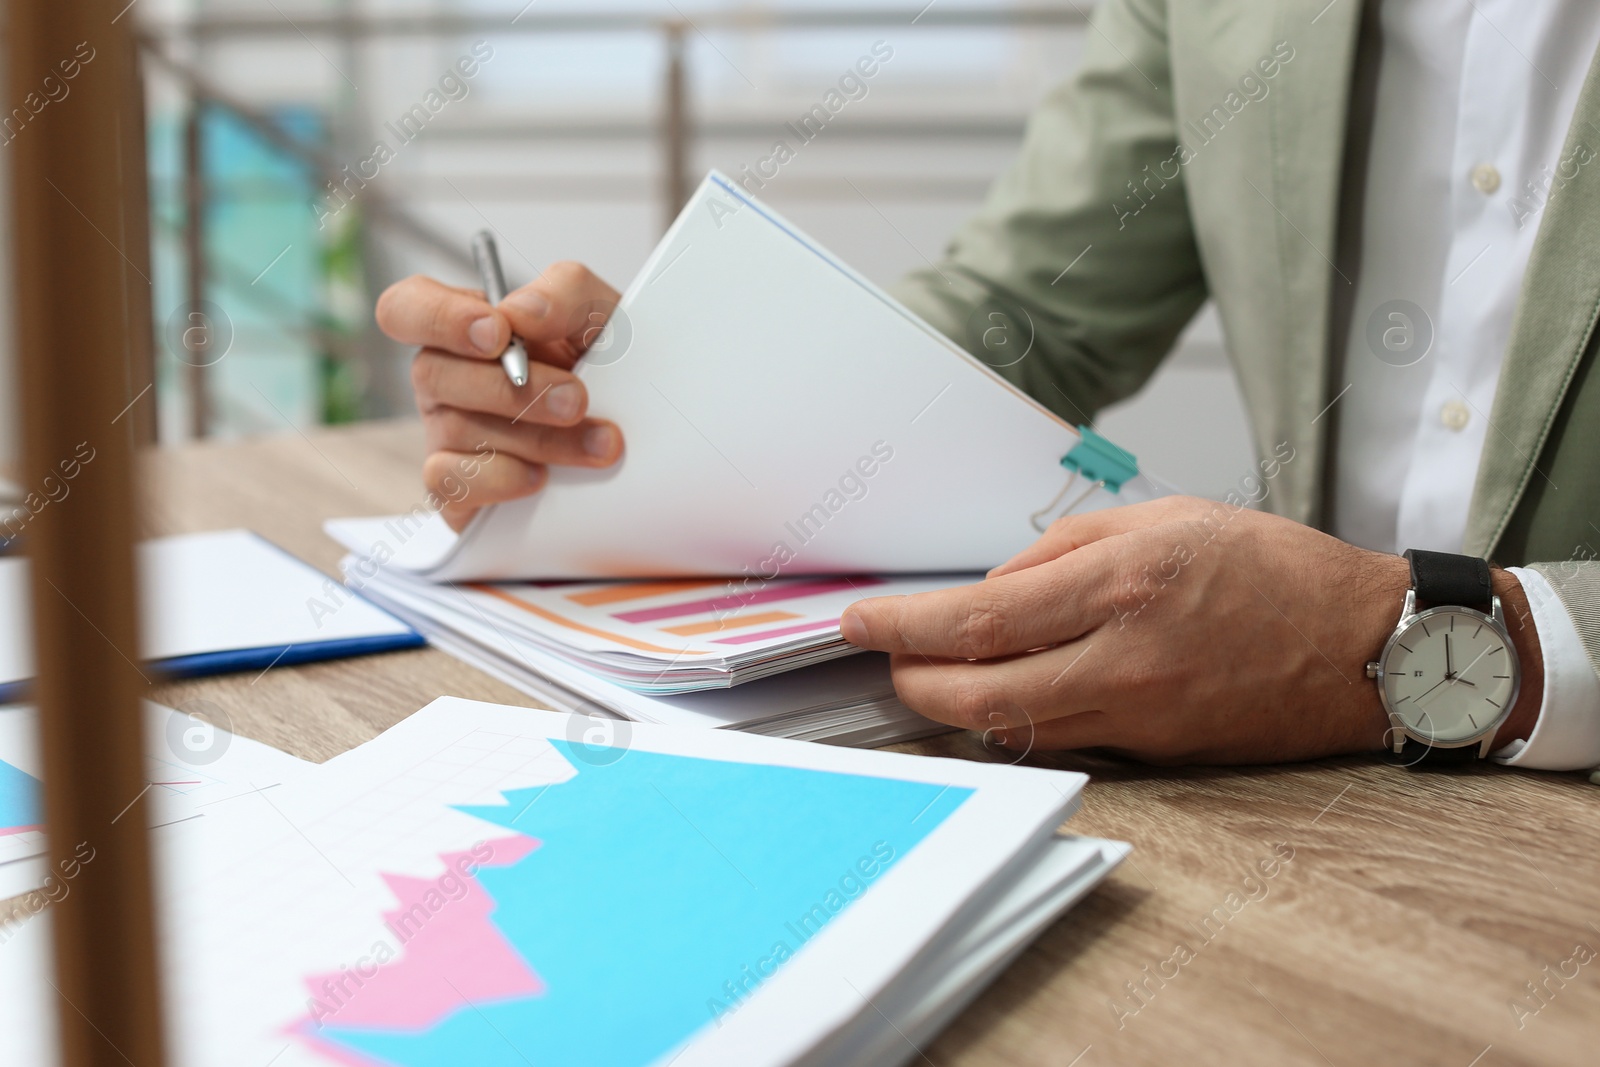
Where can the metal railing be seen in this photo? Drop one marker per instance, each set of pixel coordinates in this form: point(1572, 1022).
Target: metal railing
point(675, 126)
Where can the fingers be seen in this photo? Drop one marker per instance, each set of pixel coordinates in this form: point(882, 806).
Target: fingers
point(1016, 695)
point(590, 443)
point(551, 395)
point(469, 405)
point(1072, 532)
point(467, 481)
point(421, 311)
point(995, 617)
point(558, 314)
point(561, 311)
point(477, 460)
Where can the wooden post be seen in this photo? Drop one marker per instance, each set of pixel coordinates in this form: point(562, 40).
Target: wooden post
point(138, 350)
point(675, 127)
point(67, 210)
point(196, 340)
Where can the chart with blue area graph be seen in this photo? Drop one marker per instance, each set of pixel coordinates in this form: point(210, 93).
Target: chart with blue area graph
point(651, 893)
point(21, 829)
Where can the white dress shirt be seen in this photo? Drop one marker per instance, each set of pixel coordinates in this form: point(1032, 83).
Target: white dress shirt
point(1473, 102)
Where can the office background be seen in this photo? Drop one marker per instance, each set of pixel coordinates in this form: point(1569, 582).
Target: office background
point(579, 126)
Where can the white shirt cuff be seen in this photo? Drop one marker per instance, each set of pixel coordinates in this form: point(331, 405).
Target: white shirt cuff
point(1567, 735)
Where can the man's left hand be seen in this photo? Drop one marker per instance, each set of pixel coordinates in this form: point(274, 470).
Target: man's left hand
point(1180, 630)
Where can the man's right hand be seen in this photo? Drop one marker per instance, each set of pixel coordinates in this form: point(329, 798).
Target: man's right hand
point(466, 400)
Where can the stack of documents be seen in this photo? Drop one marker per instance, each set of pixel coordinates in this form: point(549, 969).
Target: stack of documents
point(563, 643)
point(484, 885)
point(661, 637)
point(789, 428)
point(218, 602)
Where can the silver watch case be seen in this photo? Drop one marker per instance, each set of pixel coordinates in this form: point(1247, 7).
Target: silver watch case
point(1408, 615)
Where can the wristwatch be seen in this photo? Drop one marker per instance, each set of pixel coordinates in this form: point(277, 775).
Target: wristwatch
point(1449, 675)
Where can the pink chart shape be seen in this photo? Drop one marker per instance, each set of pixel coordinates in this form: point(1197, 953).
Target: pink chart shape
point(450, 952)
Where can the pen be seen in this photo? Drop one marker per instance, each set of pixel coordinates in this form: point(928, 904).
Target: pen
point(515, 358)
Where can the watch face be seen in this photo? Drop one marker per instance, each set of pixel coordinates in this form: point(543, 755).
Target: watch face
point(1450, 675)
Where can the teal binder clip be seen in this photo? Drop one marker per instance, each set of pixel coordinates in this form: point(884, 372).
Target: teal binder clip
point(1103, 464)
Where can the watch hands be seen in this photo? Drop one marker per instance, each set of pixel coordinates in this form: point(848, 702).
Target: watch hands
point(1431, 688)
point(1456, 678)
point(1474, 663)
point(1448, 673)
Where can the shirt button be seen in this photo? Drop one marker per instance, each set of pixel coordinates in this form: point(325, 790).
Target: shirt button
point(1454, 415)
point(1485, 178)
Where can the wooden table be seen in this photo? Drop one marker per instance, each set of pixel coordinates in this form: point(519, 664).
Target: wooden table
point(1405, 915)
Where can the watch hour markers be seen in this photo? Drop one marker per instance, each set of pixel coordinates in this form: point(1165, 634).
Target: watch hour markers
point(1478, 631)
point(1473, 721)
point(1507, 677)
point(1425, 631)
point(1493, 701)
point(1403, 645)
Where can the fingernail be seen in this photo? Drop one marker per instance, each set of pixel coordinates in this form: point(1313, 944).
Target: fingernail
point(565, 401)
point(600, 441)
point(852, 629)
point(529, 302)
point(485, 335)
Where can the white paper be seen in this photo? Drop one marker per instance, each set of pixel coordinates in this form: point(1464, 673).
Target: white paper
point(860, 681)
point(222, 591)
point(652, 636)
point(232, 589)
point(190, 768)
point(1068, 869)
point(280, 893)
point(782, 415)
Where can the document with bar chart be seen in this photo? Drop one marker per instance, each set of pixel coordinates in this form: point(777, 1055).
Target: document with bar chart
point(482, 885)
point(759, 655)
point(679, 636)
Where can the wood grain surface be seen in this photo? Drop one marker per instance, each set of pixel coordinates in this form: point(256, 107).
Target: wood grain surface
point(1342, 913)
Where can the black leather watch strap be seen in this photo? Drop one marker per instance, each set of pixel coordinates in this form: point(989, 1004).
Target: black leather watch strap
point(1446, 578)
point(1419, 753)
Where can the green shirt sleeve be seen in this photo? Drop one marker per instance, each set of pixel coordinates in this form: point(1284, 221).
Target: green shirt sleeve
point(1076, 276)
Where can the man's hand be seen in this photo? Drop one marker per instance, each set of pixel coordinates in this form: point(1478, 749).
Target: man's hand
point(468, 404)
point(1181, 630)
